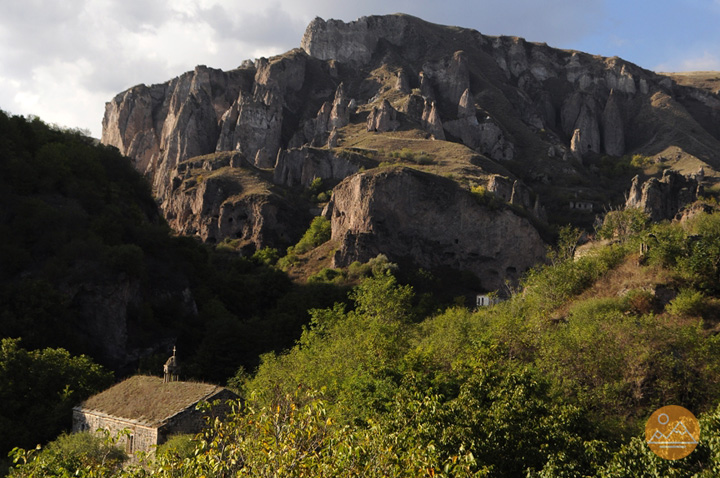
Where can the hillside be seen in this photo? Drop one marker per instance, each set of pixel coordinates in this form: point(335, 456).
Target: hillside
point(558, 380)
point(557, 134)
point(310, 230)
point(88, 266)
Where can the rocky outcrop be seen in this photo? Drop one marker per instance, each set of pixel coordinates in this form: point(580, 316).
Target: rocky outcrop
point(450, 75)
point(215, 198)
point(414, 108)
point(383, 119)
point(316, 130)
point(426, 88)
point(466, 105)
point(332, 116)
point(298, 167)
point(613, 129)
point(507, 99)
point(203, 111)
point(431, 121)
point(663, 198)
point(486, 137)
point(403, 82)
point(510, 191)
point(340, 113)
point(404, 213)
point(579, 120)
point(161, 125)
point(353, 42)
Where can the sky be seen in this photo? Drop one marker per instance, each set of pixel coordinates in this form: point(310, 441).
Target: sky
point(62, 60)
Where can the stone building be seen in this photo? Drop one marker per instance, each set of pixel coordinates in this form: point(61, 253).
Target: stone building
point(150, 408)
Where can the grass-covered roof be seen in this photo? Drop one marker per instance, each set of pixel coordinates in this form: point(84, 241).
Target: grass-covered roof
point(148, 400)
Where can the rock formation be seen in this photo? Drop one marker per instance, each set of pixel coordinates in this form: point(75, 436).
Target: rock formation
point(613, 130)
point(509, 100)
point(510, 191)
point(431, 121)
point(663, 198)
point(340, 113)
point(404, 213)
point(216, 198)
point(298, 167)
point(383, 119)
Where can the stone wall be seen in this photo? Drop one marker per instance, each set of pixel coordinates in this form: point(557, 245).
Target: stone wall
point(191, 420)
point(141, 438)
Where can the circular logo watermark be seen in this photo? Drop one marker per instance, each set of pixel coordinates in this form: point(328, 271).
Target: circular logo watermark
point(672, 432)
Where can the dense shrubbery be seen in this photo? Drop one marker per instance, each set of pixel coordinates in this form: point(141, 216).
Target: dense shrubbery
point(318, 233)
point(80, 454)
point(547, 384)
point(74, 217)
point(38, 390)
point(405, 154)
point(553, 382)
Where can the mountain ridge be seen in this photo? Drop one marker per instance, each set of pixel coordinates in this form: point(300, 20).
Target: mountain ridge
point(555, 120)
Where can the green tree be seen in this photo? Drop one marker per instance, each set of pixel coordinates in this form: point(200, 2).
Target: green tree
point(80, 454)
point(350, 354)
point(38, 390)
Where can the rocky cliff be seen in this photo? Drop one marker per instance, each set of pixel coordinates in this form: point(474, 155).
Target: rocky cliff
point(220, 196)
point(664, 198)
point(404, 213)
point(360, 94)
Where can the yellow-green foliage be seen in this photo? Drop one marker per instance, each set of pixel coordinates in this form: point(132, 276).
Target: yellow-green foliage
point(327, 275)
point(550, 383)
point(80, 454)
point(622, 224)
point(483, 196)
point(409, 155)
point(688, 302)
point(177, 447)
point(318, 233)
point(479, 190)
point(640, 161)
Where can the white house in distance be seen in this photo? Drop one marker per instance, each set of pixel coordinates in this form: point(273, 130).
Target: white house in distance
point(486, 300)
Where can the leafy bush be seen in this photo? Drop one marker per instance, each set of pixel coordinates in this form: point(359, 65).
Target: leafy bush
point(688, 302)
point(79, 454)
point(640, 162)
point(315, 191)
point(409, 155)
point(327, 275)
point(483, 196)
point(622, 224)
point(38, 390)
point(177, 447)
point(267, 255)
point(318, 233)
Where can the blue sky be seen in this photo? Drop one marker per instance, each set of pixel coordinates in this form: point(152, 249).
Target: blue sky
point(62, 60)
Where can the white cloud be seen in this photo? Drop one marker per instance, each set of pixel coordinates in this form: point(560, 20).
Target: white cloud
point(63, 60)
point(707, 61)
